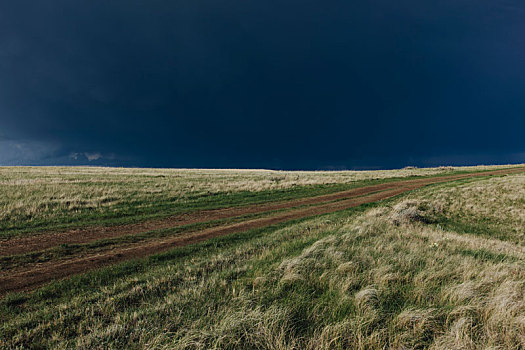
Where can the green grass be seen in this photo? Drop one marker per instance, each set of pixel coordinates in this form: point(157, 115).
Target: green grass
point(487, 255)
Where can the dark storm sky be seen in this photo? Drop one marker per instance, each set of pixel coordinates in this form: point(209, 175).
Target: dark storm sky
point(276, 84)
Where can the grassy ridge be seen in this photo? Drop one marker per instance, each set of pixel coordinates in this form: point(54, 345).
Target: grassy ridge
point(393, 274)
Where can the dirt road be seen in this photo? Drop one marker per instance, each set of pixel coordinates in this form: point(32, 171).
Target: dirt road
point(31, 276)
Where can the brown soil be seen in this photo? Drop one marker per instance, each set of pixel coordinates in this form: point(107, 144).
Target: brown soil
point(33, 276)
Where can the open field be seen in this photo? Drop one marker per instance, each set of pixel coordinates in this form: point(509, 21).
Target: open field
point(50, 198)
point(411, 258)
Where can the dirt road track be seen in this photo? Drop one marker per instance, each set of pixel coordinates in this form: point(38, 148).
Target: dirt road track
point(85, 235)
point(33, 276)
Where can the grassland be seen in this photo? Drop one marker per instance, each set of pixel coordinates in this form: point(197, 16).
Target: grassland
point(34, 199)
point(439, 267)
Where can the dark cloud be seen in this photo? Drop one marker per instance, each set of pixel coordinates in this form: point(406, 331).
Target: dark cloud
point(294, 84)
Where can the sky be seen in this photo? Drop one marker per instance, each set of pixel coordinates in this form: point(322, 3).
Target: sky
point(287, 84)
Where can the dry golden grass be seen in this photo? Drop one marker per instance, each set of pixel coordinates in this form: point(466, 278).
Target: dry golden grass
point(495, 204)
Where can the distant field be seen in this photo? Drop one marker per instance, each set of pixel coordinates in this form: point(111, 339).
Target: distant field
point(434, 264)
point(42, 198)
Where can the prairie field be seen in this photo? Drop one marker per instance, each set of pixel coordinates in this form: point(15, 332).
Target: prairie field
point(40, 198)
point(254, 259)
